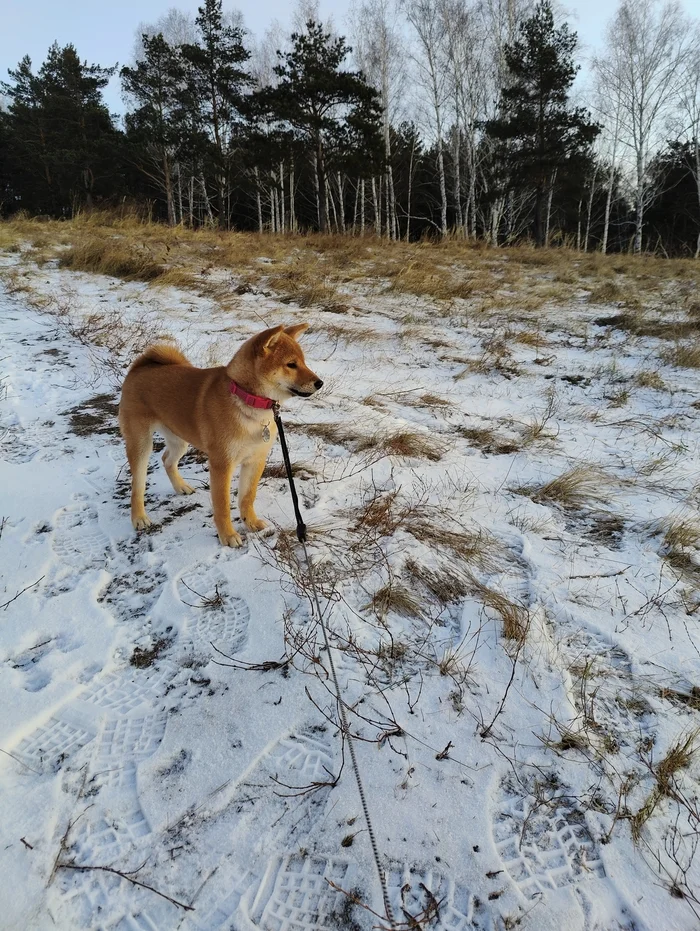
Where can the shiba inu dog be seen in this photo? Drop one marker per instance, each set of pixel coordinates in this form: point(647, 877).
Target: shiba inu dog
point(226, 412)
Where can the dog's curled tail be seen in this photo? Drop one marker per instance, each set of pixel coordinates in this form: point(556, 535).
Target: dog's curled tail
point(160, 354)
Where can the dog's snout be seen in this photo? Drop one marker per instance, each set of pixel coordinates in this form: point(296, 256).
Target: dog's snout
point(318, 384)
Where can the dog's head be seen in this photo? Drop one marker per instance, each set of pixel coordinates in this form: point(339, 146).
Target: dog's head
point(276, 366)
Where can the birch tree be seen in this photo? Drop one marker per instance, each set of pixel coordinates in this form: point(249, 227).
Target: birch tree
point(645, 62)
point(689, 105)
point(608, 110)
point(429, 28)
point(176, 27)
point(379, 51)
point(463, 45)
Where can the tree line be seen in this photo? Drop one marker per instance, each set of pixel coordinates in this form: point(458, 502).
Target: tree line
point(444, 117)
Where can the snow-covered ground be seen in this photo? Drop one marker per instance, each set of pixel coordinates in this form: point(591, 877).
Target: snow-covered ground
point(503, 775)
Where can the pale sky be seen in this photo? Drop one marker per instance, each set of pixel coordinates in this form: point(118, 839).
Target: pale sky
point(103, 33)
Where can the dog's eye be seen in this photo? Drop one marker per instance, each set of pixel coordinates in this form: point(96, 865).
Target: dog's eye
point(291, 365)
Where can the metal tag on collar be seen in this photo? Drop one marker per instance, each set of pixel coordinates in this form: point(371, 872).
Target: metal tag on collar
point(266, 432)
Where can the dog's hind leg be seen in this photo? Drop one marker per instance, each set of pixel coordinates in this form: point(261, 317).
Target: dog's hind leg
point(139, 446)
point(175, 448)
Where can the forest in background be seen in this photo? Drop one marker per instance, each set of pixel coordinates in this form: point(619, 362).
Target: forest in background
point(427, 118)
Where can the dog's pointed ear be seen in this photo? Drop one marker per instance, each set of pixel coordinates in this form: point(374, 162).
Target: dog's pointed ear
point(296, 329)
point(268, 338)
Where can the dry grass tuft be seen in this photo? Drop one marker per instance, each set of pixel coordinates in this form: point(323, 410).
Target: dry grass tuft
point(496, 357)
point(532, 338)
point(338, 434)
point(574, 490)
point(607, 292)
point(486, 439)
point(300, 469)
point(682, 534)
point(677, 758)
point(647, 379)
point(9, 238)
point(424, 279)
point(114, 257)
point(540, 426)
point(681, 546)
point(406, 444)
point(305, 284)
point(450, 584)
point(430, 401)
point(177, 277)
point(447, 584)
point(397, 599)
point(348, 334)
point(684, 355)
point(380, 514)
point(470, 546)
point(645, 324)
point(515, 617)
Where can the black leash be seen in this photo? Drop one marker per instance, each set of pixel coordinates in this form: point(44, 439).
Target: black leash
point(301, 526)
point(301, 534)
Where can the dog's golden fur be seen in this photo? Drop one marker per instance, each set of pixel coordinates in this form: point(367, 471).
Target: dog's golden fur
point(163, 392)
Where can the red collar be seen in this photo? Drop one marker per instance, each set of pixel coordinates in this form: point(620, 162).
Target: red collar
point(252, 400)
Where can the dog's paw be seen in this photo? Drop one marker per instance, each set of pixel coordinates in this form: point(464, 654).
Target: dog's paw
point(231, 539)
point(141, 523)
point(255, 524)
point(185, 489)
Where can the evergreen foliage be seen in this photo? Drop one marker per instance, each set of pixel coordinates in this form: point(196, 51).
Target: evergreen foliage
point(538, 131)
point(333, 113)
point(308, 146)
point(61, 139)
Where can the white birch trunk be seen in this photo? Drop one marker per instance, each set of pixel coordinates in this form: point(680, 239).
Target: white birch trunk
point(362, 207)
point(258, 200)
point(282, 210)
point(377, 213)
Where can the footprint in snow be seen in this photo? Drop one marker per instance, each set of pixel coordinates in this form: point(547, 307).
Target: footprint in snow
point(219, 617)
point(18, 446)
point(77, 538)
point(543, 846)
point(605, 691)
point(429, 897)
point(296, 894)
point(129, 690)
point(51, 745)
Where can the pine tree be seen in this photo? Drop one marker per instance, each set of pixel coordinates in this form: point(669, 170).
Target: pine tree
point(7, 180)
point(155, 129)
point(217, 85)
point(332, 112)
point(538, 131)
point(63, 144)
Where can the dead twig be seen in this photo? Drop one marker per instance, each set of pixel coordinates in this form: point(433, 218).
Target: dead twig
point(487, 730)
point(26, 589)
point(603, 575)
point(127, 877)
point(265, 666)
point(21, 762)
point(208, 601)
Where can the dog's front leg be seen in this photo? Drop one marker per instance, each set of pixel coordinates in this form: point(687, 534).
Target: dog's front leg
point(220, 472)
point(251, 470)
